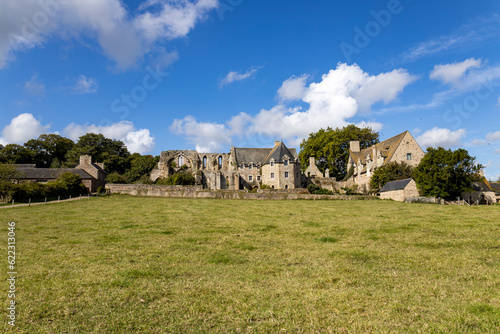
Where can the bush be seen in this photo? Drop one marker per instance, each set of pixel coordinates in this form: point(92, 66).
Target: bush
point(117, 178)
point(265, 186)
point(178, 179)
point(316, 190)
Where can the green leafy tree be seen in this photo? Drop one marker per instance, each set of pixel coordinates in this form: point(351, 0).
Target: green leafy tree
point(7, 173)
point(117, 178)
point(182, 179)
point(99, 147)
point(17, 154)
point(391, 172)
point(141, 165)
point(446, 173)
point(331, 148)
point(48, 148)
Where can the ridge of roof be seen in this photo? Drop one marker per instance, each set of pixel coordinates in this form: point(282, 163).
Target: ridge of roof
point(278, 152)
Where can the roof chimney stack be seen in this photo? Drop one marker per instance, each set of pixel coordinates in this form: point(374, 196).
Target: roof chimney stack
point(354, 146)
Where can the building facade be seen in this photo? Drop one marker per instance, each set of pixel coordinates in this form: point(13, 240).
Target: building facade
point(242, 168)
point(400, 148)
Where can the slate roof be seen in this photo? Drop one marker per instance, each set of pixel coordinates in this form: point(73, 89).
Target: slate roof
point(49, 173)
point(278, 152)
point(387, 148)
point(258, 155)
point(495, 186)
point(255, 155)
point(395, 185)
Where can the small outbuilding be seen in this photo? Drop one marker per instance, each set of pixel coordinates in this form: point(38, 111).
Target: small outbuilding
point(399, 190)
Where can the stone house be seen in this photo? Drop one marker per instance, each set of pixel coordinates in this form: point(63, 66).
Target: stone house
point(484, 193)
point(399, 190)
point(92, 174)
point(241, 168)
point(400, 148)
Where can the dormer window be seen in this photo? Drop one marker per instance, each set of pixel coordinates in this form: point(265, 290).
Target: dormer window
point(249, 166)
point(272, 163)
point(285, 162)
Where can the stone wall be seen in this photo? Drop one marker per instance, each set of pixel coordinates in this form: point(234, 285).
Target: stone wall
point(197, 192)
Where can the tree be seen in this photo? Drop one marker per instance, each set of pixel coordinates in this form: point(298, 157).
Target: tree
point(141, 166)
point(446, 173)
point(331, 148)
point(99, 147)
point(48, 148)
point(391, 172)
point(17, 154)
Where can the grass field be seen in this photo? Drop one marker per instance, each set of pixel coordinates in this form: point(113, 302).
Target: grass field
point(125, 264)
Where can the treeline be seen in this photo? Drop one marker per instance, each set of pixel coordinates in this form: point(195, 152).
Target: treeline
point(55, 151)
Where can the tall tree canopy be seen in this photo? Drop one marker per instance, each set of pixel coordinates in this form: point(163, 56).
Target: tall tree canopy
point(391, 172)
point(100, 148)
point(331, 148)
point(17, 154)
point(446, 173)
point(49, 148)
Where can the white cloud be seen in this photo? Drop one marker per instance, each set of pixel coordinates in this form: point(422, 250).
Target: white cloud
point(497, 151)
point(452, 73)
point(123, 36)
point(208, 137)
point(85, 85)
point(493, 136)
point(375, 126)
point(21, 129)
point(293, 88)
point(34, 87)
point(236, 76)
point(334, 100)
point(436, 137)
point(468, 35)
point(139, 141)
point(498, 101)
point(478, 142)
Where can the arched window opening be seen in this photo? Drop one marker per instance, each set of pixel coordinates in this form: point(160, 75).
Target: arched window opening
point(181, 161)
point(204, 162)
point(220, 162)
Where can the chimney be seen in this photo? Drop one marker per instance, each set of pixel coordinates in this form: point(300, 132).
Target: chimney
point(276, 143)
point(312, 161)
point(354, 146)
point(85, 159)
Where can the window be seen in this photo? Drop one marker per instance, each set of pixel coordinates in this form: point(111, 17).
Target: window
point(286, 186)
point(272, 175)
point(204, 162)
point(408, 156)
point(286, 175)
point(250, 178)
point(220, 162)
point(250, 166)
point(285, 162)
point(272, 163)
point(181, 161)
point(258, 177)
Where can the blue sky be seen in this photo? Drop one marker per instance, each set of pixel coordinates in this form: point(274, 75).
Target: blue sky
point(210, 74)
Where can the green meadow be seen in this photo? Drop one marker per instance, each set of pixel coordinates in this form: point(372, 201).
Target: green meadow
point(123, 264)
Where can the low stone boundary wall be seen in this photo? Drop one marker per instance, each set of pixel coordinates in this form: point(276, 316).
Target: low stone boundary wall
point(198, 192)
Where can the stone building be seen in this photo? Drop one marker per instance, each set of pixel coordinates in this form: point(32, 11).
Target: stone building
point(400, 148)
point(399, 190)
point(92, 174)
point(241, 168)
point(484, 193)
